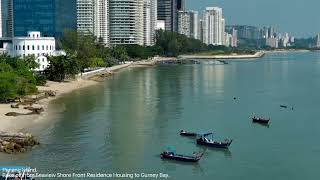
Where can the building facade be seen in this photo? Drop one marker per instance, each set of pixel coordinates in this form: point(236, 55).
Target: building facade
point(149, 22)
point(318, 41)
point(126, 22)
point(194, 23)
point(213, 30)
point(184, 23)
point(93, 19)
point(85, 16)
point(50, 17)
point(32, 44)
point(168, 12)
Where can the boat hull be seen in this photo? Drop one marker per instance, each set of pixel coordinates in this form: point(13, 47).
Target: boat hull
point(180, 158)
point(221, 145)
point(260, 121)
point(190, 134)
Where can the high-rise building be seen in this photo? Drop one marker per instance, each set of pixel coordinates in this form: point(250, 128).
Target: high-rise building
point(194, 22)
point(9, 17)
point(93, 18)
point(181, 6)
point(234, 40)
point(184, 23)
point(201, 30)
point(168, 11)
point(85, 16)
point(101, 21)
point(1, 18)
point(318, 41)
point(188, 23)
point(50, 17)
point(149, 21)
point(213, 26)
point(126, 22)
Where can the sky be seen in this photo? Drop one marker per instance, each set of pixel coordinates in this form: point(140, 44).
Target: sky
point(300, 18)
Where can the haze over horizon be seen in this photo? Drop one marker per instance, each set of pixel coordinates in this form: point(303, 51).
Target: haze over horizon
point(296, 17)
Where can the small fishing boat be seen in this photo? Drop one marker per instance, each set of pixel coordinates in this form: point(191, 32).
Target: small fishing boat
point(283, 106)
point(260, 120)
point(191, 134)
point(185, 133)
point(171, 155)
point(203, 140)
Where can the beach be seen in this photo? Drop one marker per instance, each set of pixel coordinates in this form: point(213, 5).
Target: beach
point(14, 124)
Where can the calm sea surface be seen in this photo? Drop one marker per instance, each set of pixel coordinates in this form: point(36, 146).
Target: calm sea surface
point(123, 124)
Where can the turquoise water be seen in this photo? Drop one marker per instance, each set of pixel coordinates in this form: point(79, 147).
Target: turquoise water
point(123, 124)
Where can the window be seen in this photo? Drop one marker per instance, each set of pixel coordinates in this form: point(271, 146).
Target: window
point(19, 47)
point(42, 47)
point(28, 47)
point(42, 59)
point(23, 47)
point(33, 47)
point(16, 47)
point(38, 47)
point(47, 47)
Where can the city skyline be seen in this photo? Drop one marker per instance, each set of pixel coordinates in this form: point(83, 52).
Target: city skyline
point(257, 13)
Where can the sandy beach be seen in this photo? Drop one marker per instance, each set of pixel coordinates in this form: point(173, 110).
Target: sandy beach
point(25, 123)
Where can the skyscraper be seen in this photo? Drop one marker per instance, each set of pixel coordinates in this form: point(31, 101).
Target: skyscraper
point(149, 21)
point(126, 22)
point(1, 18)
point(93, 18)
point(101, 21)
point(168, 12)
point(318, 41)
point(184, 23)
point(50, 17)
point(194, 22)
point(213, 26)
point(85, 16)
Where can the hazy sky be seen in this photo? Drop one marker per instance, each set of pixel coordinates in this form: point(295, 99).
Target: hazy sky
point(299, 17)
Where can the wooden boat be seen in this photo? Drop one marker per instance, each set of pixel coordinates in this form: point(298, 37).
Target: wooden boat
point(191, 134)
point(178, 157)
point(211, 143)
point(260, 120)
point(185, 133)
point(283, 106)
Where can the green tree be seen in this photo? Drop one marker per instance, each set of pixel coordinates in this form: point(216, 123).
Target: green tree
point(60, 68)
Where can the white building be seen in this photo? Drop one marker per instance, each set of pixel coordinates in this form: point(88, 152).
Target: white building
point(318, 41)
point(149, 22)
point(184, 23)
point(213, 26)
point(272, 42)
point(93, 18)
point(126, 22)
point(194, 21)
point(85, 16)
point(33, 44)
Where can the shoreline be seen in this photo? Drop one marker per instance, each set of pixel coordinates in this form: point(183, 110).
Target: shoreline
point(259, 54)
point(16, 124)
